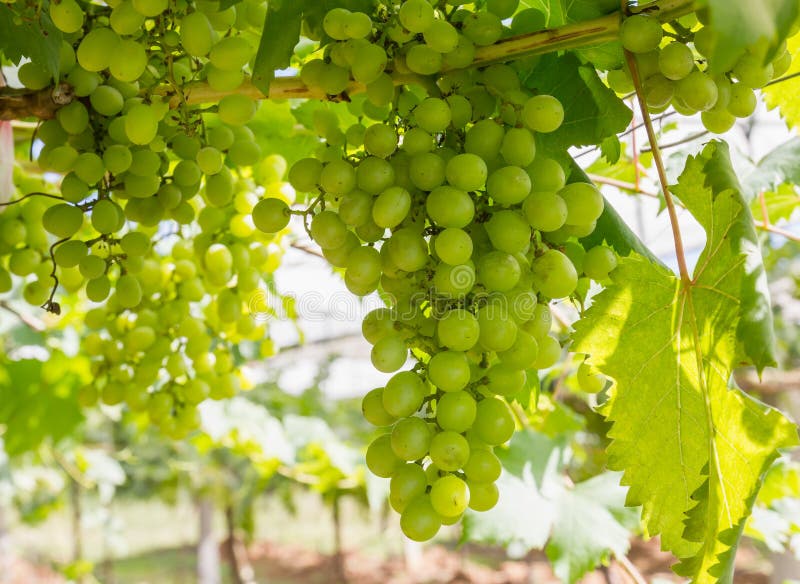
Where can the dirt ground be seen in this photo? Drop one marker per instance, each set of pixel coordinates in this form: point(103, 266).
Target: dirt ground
point(290, 564)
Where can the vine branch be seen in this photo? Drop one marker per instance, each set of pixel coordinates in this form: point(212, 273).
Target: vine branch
point(662, 174)
point(18, 104)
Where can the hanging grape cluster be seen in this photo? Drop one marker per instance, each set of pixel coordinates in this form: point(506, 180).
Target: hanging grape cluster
point(439, 199)
point(152, 217)
point(676, 73)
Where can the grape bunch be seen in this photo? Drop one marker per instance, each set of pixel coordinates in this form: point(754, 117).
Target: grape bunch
point(151, 220)
point(675, 72)
point(439, 199)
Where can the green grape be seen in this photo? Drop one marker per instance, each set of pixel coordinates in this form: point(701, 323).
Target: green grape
point(417, 141)
point(403, 394)
point(336, 22)
point(675, 61)
point(230, 53)
point(416, 15)
point(70, 253)
point(128, 291)
point(197, 37)
point(458, 330)
point(63, 158)
point(73, 117)
point(467, 172)
point(620, 81)
point(358, 25)
point(5, 281)
point(370, 64)
point(545, 211)
point(641, 33)
point(107, 217)
point(599, 262)
point(449, 496)
point(482, 496)
point(781, 64)
point(427, 171)
point(482, 28)
point(364, 265)
point(128, 61)
point(462, 56)
point(23, 262)
point(454, 281)
point(498, 271)
point(33, 76)
point(67, 15)
point(373, 410)
point(89, 168)
point(658, 91)
point(107, 100)
point(141, 124)
point(423, 60)
point(543, 113)
point(381, 459)
point(449, 370)
point(718, 122)
point(408, 482)
point(91, 266)
point(141, 187)
point(97, 49)
point(62, 220)
point(584, 203)
point(483, 466)
point(508, 185)
point(144, 162)
point(518, 147)
point(125, 20)
point(698, 91)
point(546, 174)
point(391, 207)
point(150, 8)
point(380, 140)
point(549, 352)
point(453, 246)
point(411, 438)
point(450, 207)
point(751, 72)
point(338, 178)
point(304, 174)
point(449, 450)
point(455, 411)
point(333, 79)
point(377, 324)
point(494, 423)
point(433, 115)
point(356, 208)
point(98, 289)
point(484, 140)
point(502, 8)
point(408, 250)
point(554, 275)
point(522, 354)
point(210, 160)
point(742, 101)
point(497, 331)
point(13, 232)
point(419, 520)
point(441, 36)
point(380, 91)
point(589, 381)
point(528, 20)
point(236, 109)
point(504, 379)
point(328, 230)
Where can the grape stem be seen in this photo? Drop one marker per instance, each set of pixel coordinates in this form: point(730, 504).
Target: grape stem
point(662, 175)
point(34, 194)
point(26, 319)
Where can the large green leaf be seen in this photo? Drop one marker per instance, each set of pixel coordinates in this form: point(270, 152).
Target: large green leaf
point(777, 167)
point(592, 111)
point(693, 451)
point(783, 95)
point(578, 525)
point(280, 35)
point(739, 24)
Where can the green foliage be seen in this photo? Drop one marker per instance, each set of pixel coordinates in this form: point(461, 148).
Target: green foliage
point(693, 450)
point(34, 37)
point(281, 34)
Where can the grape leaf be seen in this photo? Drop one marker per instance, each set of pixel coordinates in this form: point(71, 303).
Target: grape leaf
point(592, 111)
point(783, 95)
point(37, 39)
point(553, 11)
point(739, 24)
point(577, 525)
point(779, 166)
point(781, 203)
point(280, 35)
point(693, 451)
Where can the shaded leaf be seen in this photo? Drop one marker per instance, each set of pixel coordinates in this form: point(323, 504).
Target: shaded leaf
point(779, 166)
point(39, 41)
point(280, 35)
